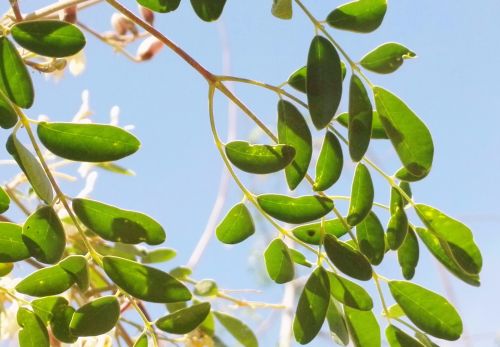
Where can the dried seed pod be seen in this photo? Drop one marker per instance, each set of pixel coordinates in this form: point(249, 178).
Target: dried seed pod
point(68, 14)
point(147, 14)
point(149, 48)
point(121, 24)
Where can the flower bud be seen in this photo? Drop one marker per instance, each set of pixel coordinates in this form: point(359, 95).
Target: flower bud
point(147, 14)
point(121, 24)
point(149, 48)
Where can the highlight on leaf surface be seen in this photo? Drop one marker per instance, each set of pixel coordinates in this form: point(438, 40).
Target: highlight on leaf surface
point(386, 58)
point(361, 16)
point(236, 226)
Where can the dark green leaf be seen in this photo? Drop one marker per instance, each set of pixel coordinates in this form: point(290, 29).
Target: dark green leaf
point(427, 310)
point(239, 330)
point(43, 234)
point(77, 266)
point(115, 224)
point(397, 200)
point(324, 81)
point(386, 58)
point(60, 324)
point(31, 168)
point(425, 340)
point(330, 163)
point(33, 332)
point(279, 263)
point(311, 233)
point(12, 247)
point(349, 293)
point(398, 338)
point(397, 229)
point(408, 134)
point(47, 281)
point(208, 10)
point(4, 198)
point(362, 16)
point(371, 238)
point(206, 288)
point(8, 115)
point(142, 341)
point(45, 308)
point(408, 254)
point(295, 210)
point(360, 119)
point(363, 326)
point(299, 258)
point(297, 79)
point(337, 324)
point(87, 142)
point(15, 82)
point(458, 237)
point(96, 318)
point(184, 320)
point(347, 259)
point(51, 38)
point(378, 131)
point(158, 255)
point(161, 6)
point(282, 9)
point(293, 131)
point(361, 195)
point(237, 226)
point(259, 159)
point(144, 282)
point(312, 307)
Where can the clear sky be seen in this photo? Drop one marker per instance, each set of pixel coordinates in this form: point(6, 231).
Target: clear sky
point(452, 86)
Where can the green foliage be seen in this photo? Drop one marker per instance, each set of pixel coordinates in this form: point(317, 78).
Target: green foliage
point(184, 320)
point(386, 58)
point(237, 226)
point(362, 16)
point(330, 163)
point(279, 262)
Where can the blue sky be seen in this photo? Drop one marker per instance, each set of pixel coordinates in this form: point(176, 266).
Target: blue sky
point(452, 86)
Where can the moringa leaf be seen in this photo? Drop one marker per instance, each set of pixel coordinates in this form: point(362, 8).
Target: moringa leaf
point(95, 318)
point(208, 10)
point(77, 266)
point(330, 163)
point(361, 195)
point(239, 330)
point(363, 328)
point(279, 262)
point(12, 246)
point(347, 259)
point(361, 16)
point(4, 199)
point(162, 6)
point(371, 238)
point(349, 293)
point(408, 254)
point(386, 58)
point(282, 9)
point(311, 233)
point(398, 338)
point(397, 229)
point(236, 226)
point(184, 320)
point(47, 281)
point(295, 210)
point(337, 324)
point(297, 79)
point(360, 119)
point(378, 131)
point(33, 332)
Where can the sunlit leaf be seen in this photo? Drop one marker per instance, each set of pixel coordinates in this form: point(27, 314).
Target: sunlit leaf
point(398, 338)
point(371, 238)
point(161, 6)
point(337, 324)
point(158, 255)
point(311, 233)
point(33, 332)
point(184, 320)
point(282, 9)
point(363, 326)
point(6, 268)
point(397, 229)
point(206, 288)
point(362, 16)
point(386, 58)
point(360, 119)
point(361, 195)
point(47, 281)
point(408, 254)
point(378, 131)
point(279, 263)
point(236, 226)
point(349, 293)
point(295, 210)
point(239, 330)
point(330, 163)
point(208, 10)
point(297, 79)
point(12, 246)
point(142, 341)
point(4, 198)
point(77, 266)
point(347, 259)
point(96, 318)
point(393, 311)
point(299, 258)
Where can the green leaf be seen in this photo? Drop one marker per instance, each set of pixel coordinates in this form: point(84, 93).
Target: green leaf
point(408, 134)
point(349, 293)
point(60, 324)
point(282, 9)
point(239, 330)
point(361, 16)
point(347, 259)
point(43, 234)
point(386, 58)
point(295, 210)
point(324, 81)
point(46, 308)
point(158, 255)
point(378, 131)
point(184, 320)
point(112, 167)
point(458, 237)
point(337, 324)
point(206, 288)
point(360, 119)
point(6, 268)
point(236, 226)
point(142, 341)
point(33, 332)
point(144, 282)
point(311, 233)
point(299, 258)
point(425, 340)
point(408, 254)
point(47, 281)
point(162, 6)
point(12, 246)
point(279, 263)
point(115, 224)
point(330, 163)
point(8, 115)
point(398, 338)
point(397, 229)
point(437, 248)
point(208, 10)
point(4, 198)
point(293, 131)
point(259, 159)
point(51, 38)
point(297, 79)
point(15, 82)
point(181, 272)
point(31, 168)
point(361, 195)
point(77, 266)
point(96, 318)
point(312, 307)
point(397, 200)
point(427, 310)
point(393, 311)
point(371, 238)
point(87, 142)
point(363, 326)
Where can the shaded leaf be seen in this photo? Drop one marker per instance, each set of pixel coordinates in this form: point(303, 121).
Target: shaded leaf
point(347, 259)
point(361, 195)
point(239, 330)
point(386, 58)
point(362, 16)
point(12, 246)
point(360, 119)
point(8, 115)
point(330, 163)
point(77, 266)
point(208, 10)
point(184, 320)
point(46, 308)
point(337, 324)
point(408, 254)
point(349, 293)
point(371, 238)
point(236, 226)
point(4, 198)
point(95, 318)
point(397, 229)
point(311, 233)
point(398, 338)
point(363, 326)
point(299, 258)
point(297, 79)
point(47, 281)
point(161, 6)
point(60, 324)
point(279, 263)
point(295, 210)
point(33, 332)
point(378, 131)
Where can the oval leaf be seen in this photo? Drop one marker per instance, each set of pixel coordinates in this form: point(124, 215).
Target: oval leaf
point(293, 131)
point(115, 224)
point(408, 134)
point(360, 119)
point(279, 263)
point(330, 163)
point(347, 259)
point(386, 58)
point(397, 229)
point(87, 142)
point(311, 233)
point(312, 307)
point(295, 210)
point(361, 195)
point(47, 281)
point(12, 246)
point(378, 131)
point(4, 198)
point(184, 320)
point(44, 235)
point(398, 338)
point(208, 10)
point(8, 115)
point(298, 79)
point(282, 9)
point(324, 81)
point(77, 266)
point(96, 318)
point(60, 325)
point(363, 326)
point(362, 16)
point(239, 330)
point(144, 282)
point(408, 254)
point(427, 310)
point(371, 238)
point(349, 293)
point(236, 226)
point(162, 6)
point(337, 324)
point(51, 38)
point(33, 332)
